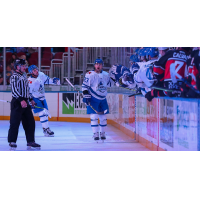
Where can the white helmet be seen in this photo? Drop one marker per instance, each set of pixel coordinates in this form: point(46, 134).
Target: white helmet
point(162, 48)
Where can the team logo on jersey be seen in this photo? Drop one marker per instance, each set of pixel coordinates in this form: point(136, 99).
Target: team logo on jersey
point(149, 74)
point(41, 89)
point(101, 87)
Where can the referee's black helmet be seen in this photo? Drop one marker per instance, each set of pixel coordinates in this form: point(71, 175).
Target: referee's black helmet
point(19, 62)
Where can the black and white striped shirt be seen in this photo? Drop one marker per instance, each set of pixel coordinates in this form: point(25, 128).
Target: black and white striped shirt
point(20, 87)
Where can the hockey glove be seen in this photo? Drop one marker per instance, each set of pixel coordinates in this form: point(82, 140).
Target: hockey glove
point(86, 97)
point(128, 77)
point(56, 81)
point(150, 95)
point(33, 104)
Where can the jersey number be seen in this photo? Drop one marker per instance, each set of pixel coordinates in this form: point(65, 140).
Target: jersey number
point(86, 80)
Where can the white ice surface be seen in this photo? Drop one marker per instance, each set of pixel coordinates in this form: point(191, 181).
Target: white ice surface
point(71, 136)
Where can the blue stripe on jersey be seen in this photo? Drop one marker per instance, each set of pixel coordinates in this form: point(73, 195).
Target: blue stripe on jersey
point(84, 85)
point(44, 121)
point(47, 81)
point(40, 97)
point(109, 82)
point(91, 90)
point(43, 116)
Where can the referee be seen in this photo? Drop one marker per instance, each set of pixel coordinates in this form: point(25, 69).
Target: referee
point(20, 108)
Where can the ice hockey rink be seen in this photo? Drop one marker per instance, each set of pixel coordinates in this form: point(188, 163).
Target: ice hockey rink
point(72, 136)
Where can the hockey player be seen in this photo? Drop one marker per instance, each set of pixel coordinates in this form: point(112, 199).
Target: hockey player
point(163, 51)
point(193, 77)
point(144, 76)
point(94, 89)
point(37, 80)
point(142, 54)
point(152, 53)
point(133, 63)
point(122, 76)
point(171, 68)
point(141, 76)
point(159, 77)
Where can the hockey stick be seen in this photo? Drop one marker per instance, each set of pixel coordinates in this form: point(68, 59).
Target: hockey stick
point(5, 101)
point(164, 89)
point(191, 86)
point(123, 87)
point(47, 112)
point(71, 85)
point(134, 94)
point(69, 82)
point(128, 88)
point(99, 113)
point(137, 92)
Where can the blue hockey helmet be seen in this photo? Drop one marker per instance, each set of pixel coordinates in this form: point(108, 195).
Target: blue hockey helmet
point(134, 58)
point(136, 51)
point(134, 68)
point(19, 62)
point(146, 50)
point(153, 52)
point(31, 68)
point(142, 53)
point(98, 60)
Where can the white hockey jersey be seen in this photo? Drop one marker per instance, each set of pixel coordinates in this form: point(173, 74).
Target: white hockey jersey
point(144, 76)
point(36, 85)
point(97, 84)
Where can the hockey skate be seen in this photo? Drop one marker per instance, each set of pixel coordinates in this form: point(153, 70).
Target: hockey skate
point(13, 146)
point(48, 133)
point(33, 146)
point(103, 136)
point(96, 136)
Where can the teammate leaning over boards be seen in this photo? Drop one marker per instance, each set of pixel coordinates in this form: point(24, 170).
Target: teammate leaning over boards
point(193, 77)
point(122, 76)
point(36, 86)
point(140, 74)
point(141, 77)
point(94, 89)
point(172, 68)
point(144, 76)
point(169, 71)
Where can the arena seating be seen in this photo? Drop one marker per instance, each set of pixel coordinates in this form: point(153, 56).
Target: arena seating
point(45, 62)
point(8, 57)
point(47, 55)
point(34, 55)
point(20, 54)
point(33, 61)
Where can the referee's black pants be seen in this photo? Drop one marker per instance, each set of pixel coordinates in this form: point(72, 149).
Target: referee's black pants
point(17, 115)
